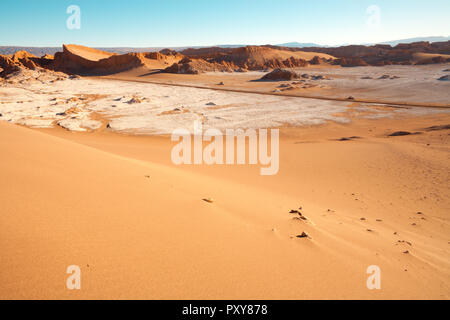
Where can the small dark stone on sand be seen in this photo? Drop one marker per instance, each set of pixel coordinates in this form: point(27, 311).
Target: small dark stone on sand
point(303, 235)
point(400, 133)
point(349, 138)
point(436, 128)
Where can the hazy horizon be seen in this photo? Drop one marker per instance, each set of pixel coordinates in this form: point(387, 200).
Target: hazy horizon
point(230, 44)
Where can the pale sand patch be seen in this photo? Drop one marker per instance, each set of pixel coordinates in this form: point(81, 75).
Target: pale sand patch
point(138, 107)
point(414, 85)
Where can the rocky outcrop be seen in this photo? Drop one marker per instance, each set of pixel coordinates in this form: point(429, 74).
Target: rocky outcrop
point(196, 66)
point(351, 62)
point(22, 60)
point(261, 58)
point(280, 75)
point(183, 67)
point(170, 52)
point(266, 57)
point(8, 66)
point(288, 63)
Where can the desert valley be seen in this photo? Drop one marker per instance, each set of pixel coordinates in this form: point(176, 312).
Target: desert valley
point(364, 173)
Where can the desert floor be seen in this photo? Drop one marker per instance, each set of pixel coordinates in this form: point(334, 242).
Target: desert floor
point(408, 85)
point(112, 202)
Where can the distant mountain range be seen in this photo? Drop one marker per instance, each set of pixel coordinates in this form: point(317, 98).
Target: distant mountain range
point(392, 43)
point(411, 40)
point(40, 51)
point(299, 45)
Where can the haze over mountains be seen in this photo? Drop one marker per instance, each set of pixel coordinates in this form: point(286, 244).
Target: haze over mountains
point(418, 39)
point(40, 51)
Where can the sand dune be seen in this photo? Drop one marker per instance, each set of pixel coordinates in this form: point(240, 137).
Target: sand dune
point(138, 228)
point(88, 61)
point(87, 53)
point(422, 56)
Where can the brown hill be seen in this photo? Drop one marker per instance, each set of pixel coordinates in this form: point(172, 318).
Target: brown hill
point(206, 53)
point(281, 75)
point(256, 57)
point(260, 58)
point(196, 66)
point(379, 55)
point(244, 58)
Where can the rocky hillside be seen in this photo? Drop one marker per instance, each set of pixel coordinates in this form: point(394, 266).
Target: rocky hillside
point(379, 55)
point(76, 59)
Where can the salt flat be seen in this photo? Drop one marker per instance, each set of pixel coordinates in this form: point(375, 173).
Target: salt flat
point(85, 104)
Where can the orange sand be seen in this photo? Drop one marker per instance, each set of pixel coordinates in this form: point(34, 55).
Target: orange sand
point(138, 228)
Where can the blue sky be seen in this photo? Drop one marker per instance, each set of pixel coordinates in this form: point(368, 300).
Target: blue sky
point(168, 23)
